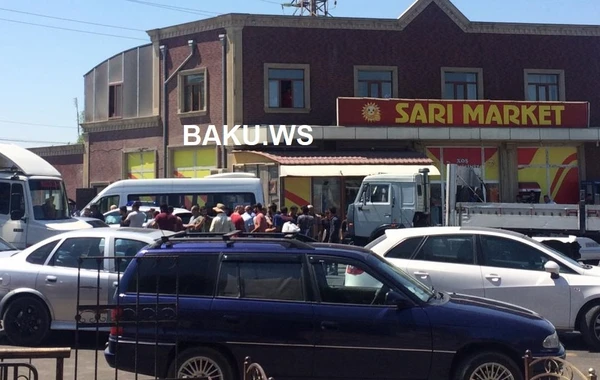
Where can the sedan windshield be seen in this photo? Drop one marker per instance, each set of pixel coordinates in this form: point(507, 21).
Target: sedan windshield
point(422, 291)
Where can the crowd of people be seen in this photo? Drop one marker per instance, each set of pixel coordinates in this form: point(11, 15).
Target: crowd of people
point(327, 227)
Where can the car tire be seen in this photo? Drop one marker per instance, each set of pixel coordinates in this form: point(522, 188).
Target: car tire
point(486, 365)
point(589, 323)
point(206, 359)
point(26, 322)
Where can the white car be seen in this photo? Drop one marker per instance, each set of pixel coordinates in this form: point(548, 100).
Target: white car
point(113, 217)
point(500, 265)
point(38, 285)
point(589, 249)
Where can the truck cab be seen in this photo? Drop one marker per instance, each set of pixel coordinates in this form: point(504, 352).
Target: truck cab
point(33, 199)
point(388, 201)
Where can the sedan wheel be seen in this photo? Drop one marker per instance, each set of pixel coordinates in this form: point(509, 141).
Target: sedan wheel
point(200, 367)
point(590, 327)
point(491, 371)
point(488, 366)
point(201, 363)
point(26, 322)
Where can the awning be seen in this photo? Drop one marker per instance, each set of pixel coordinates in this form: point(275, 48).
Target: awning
point(351, 170)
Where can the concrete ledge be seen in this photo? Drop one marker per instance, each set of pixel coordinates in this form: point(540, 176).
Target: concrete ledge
point(59, 150)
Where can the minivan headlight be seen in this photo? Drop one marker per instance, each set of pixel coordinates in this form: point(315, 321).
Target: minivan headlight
point(551, 341)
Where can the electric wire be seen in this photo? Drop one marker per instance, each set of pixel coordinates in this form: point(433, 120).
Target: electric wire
point(36, 124)
point(35, 141)
point(175, 8)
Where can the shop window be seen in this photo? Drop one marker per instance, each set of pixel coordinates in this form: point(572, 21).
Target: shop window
point(375, 81)
point(544, 85)
point(287, 88)
point(140, 165)
point(462, 83)
point(115, 100)
point(194, 163)
point(192, 91)
point(552, 171)
point(326, 193)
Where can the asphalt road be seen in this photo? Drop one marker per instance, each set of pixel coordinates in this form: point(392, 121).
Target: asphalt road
point(581, 358)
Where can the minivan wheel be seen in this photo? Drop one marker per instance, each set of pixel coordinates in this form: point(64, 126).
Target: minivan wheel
point(201, 363)
point(488, 366)
point(26, 322)
point(590, 327)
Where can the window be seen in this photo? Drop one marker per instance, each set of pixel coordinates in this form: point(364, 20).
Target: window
point(342, 283)
point(287, 88)
point(192, 91)
point(262, 280)
point(508, 253)
point(40, 255)
point(49, 199)
point(191, 275)
point(375, 81)
point(544, 85)
point(115, 100)
point(462, 83)
point(187, 200)
point(4, 198)
point(378, 193)
point(405, 249)
point(453, 249)
point(125, 250)
point(105, 202)
point(140, 164)
point(86, 248)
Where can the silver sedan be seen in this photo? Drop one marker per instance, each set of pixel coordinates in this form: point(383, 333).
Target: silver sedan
point(38, 286)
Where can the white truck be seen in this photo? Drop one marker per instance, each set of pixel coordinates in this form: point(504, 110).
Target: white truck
point(33, 200)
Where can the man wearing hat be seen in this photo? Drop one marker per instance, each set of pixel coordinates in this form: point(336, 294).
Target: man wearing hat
point(221, 223)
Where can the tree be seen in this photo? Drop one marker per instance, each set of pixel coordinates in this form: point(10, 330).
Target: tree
point(80, 139)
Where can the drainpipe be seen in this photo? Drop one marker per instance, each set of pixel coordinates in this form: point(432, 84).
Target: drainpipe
point(165, 100)
point(223, 38)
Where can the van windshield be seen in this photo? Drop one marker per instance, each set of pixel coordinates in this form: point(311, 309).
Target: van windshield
point(49, 199)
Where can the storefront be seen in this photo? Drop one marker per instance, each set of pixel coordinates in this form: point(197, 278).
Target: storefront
point(501, 148)
point(323, 179)
point(140, 164)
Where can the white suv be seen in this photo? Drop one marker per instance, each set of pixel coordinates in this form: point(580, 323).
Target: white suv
point(501, 265)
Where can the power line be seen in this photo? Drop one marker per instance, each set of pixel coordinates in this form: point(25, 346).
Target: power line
point(175, 8)
point(35, 142)
point(72, 30)
point(71, 20)
point(271, 2)
point(36, 124)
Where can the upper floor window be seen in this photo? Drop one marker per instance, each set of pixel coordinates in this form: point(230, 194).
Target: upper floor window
point(544, 85)
point(462, 83)
point(287, 88)
point(192, 91)
point(115, 100)
point(375, 81)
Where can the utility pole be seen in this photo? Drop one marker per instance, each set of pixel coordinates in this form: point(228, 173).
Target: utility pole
point(78, 118)
point(314, 8)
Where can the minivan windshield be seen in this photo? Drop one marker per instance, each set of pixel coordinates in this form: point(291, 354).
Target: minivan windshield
point(422, 291)
point(49, 199)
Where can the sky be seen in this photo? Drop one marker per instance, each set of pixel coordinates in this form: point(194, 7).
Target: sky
point(42, 65)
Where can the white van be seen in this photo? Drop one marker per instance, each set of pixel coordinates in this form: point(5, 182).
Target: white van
point(33, 199)
point(231, 189)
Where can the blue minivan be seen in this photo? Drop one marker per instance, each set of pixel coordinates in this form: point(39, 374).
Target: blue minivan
point(196, 307)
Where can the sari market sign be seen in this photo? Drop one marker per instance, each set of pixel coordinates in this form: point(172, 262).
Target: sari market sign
point(461, 113)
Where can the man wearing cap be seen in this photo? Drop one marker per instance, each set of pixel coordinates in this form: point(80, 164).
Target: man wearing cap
point(221, 223)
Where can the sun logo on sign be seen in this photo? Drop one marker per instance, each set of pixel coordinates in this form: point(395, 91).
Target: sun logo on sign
point(371, 112)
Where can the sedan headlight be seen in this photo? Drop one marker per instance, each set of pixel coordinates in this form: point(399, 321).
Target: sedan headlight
point(551, 341)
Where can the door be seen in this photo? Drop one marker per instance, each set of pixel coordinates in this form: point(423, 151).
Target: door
point(262, 309)
point(374, 208)
point(359, 335)
point(447, 263)
point(12, 202)
point(58, 279)
point(514, 272)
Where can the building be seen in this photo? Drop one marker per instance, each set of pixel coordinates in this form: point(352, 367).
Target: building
point(377, 93)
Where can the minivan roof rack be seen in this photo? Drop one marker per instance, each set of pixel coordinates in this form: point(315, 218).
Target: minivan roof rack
point(288, 239)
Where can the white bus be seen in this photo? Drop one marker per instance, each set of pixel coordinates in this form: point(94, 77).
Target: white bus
point(231, 189)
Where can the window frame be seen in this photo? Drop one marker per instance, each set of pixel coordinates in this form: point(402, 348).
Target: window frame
point(472, 70)
point(118, 102)
point(474, 247)
point(181, 86)
point(561, 83)
point(417, 248)
point(392, 69)
point(51, 261)
point(287, 66)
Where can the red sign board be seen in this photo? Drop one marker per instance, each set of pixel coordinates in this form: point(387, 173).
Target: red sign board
point(461, 113)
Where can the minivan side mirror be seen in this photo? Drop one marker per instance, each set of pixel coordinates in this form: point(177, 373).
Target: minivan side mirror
point(393, 298)
point(552, 268)
point(17, 214)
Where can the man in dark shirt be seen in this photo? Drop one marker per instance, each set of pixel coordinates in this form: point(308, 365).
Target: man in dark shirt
point(335, 226)
point(306, 222)
point(96, 212)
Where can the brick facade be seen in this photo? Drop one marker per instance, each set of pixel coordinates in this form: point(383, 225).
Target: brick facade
point(68, 160)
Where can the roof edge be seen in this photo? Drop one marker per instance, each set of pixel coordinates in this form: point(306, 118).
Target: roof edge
point(113, 56)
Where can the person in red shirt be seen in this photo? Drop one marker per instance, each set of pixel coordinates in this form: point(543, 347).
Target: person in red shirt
point(260, 221)
point(166, 220)
point(236, 218)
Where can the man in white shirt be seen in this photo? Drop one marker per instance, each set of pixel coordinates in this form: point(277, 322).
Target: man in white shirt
point(221, 223)
point(248, 218)
point(135, 217)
